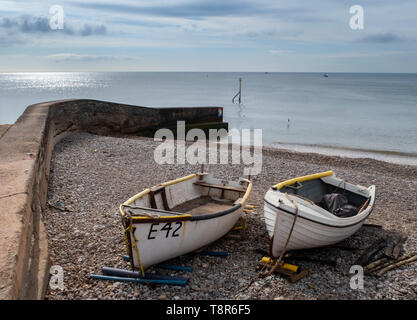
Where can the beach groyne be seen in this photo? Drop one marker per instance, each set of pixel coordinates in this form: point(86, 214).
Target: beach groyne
point(25, 153)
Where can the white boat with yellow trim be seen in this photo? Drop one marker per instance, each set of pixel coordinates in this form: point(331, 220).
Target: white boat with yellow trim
point(181, 216)
point(303, 213)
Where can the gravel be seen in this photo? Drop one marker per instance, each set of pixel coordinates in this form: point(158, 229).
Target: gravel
point(91, 175)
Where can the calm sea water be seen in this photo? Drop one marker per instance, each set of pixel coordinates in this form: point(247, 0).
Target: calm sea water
point(371, 115)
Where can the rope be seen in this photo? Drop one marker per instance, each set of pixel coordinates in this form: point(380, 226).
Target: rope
point(278, 262)
point(364, 206)
point(130, 228)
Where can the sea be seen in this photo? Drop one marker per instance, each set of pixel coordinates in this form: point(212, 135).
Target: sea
point(370, 115)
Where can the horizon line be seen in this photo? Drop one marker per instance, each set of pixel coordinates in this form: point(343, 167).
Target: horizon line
point(196, 71)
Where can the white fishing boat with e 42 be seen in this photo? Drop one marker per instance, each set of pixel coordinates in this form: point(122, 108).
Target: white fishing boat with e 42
point(314, 211)
point(181, 216)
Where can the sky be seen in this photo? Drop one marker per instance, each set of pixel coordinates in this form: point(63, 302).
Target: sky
point(209, 35)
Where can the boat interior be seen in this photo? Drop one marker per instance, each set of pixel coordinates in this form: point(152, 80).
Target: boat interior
point(314, 190)
point(203, 205)
point(194, 196)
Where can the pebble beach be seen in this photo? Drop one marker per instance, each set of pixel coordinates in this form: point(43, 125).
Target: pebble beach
point(91, 175)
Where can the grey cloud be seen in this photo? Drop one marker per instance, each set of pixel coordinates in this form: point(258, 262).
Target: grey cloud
point(89, 30)
point(30, 24)
point(381, 38)
point(71, 57)
point(195, 9)
point(6, 41)
point(8, 23)
point(40, 24)
point(190, 10)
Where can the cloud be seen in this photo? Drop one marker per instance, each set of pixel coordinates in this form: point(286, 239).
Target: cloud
point(278, 52)
point(40, 24)
point(89, 30)
point(170, 32)
point(196, 9)
point(193, 9)
point(8, 23)
point(368, 54)
point(70, 57)
point(29, 24)
point(381, 38)
point(9, 41)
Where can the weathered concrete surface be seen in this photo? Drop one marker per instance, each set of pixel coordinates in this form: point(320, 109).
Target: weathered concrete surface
point(4, 128)
point(25, 152)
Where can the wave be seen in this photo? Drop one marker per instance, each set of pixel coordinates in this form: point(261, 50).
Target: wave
point(407, 158)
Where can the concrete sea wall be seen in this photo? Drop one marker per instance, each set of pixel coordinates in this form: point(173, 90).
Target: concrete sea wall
point(25, 153)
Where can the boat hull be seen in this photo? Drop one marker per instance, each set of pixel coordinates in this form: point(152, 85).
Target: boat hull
point(306, 234)
point(161, 241)
point(181, 216)
point(313, 227)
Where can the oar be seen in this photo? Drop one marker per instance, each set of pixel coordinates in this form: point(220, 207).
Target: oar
point(132, 274)
point(172, 267)
point(138, 280)
point(166, 266)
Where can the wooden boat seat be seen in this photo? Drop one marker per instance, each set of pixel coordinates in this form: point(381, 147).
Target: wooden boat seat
point(238, 201)
point(158, 189)
point(216, 186)
point(203, 205)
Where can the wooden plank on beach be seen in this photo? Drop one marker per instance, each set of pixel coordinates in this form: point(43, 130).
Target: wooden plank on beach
point(396, 265)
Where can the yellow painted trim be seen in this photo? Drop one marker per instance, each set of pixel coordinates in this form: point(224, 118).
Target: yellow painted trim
point(163, 217)
point(133, 199)
point(137, 196)
point(303, 178)
point(165, 184)
point(140, 195)
point(121, 211)
point(247, 193)
point(146, 191)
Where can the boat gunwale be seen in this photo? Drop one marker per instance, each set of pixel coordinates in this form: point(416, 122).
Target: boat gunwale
point(130, 221)
point(369, 206)
point(181, 216)
point(314, 176)
point(187, 217)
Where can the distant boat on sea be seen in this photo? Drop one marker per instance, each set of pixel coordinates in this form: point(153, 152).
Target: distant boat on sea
point(325, 75)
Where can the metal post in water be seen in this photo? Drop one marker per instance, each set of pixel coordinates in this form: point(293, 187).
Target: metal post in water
point(239, 92)
point(240, 88)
